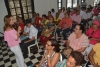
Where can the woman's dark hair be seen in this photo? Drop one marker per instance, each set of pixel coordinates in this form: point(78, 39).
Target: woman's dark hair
point(49, 12)
point(55, 44)
point(7, 21)
point(78, 57)
point(81, 27)
point(44, 16)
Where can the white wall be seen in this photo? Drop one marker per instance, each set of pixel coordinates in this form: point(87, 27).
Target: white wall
point(3, 12)
point(43, 6)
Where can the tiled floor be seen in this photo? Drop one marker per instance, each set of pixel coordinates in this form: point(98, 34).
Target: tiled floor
point(7, 58)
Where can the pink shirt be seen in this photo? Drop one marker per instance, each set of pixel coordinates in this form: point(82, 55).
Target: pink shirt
point(76, 18)
point(76, 44)
point(96, 12)
point(10, 37)
point(96, 34)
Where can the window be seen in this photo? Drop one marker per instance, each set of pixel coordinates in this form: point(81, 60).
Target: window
point(59, 4)
point(72, 3)
point(96, 2)
point(21, 8)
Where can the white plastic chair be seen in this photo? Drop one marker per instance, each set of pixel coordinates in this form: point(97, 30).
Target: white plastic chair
point(36, 43)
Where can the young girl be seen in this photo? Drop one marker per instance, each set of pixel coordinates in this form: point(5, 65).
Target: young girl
point(12, 38)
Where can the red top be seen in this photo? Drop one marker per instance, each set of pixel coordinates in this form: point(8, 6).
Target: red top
point(66, 22)
point(38, 22)
point(22, 26)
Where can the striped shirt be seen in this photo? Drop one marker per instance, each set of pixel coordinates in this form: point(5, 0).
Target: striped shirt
point(76, 44)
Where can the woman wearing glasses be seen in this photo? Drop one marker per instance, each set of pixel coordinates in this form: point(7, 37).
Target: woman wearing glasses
point(77, 41)
point(51, 55)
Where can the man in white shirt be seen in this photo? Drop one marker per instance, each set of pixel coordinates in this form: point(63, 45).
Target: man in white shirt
point(53, 13)
point(31, 40)
point(85, 18)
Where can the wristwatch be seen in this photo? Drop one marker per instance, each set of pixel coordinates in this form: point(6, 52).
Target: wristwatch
point(48, 55)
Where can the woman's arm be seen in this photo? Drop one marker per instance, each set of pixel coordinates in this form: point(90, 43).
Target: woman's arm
point(67, 44)
point(39, 65)
point(82, 49)
point(18, 33)
point(50, 30)
point(91, 56)
point(53, 62)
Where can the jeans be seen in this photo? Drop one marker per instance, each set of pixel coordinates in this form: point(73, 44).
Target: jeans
point(24, 46)
point(63, 32)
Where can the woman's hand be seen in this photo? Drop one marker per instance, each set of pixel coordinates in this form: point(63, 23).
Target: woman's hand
point(19, 29)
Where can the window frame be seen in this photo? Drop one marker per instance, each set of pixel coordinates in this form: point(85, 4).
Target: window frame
point(71, 3)
point(58, 4)
point(21, 8)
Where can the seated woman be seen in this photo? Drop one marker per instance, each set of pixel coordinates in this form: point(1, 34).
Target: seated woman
point(93, 34)
point(51, 55)
point(47, 32)
point(57, 19)
point(76, 59)
point(44, 21)
point(94, 55)
point(37, 22)
point(77, 41)
point(65, 25)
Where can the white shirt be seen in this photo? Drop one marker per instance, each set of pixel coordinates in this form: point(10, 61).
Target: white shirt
point(53, 14)
point(85, 15)
point(61, 15)
point(82, 12)
point(26, 29)
point(33, 32)
point(89, 15)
